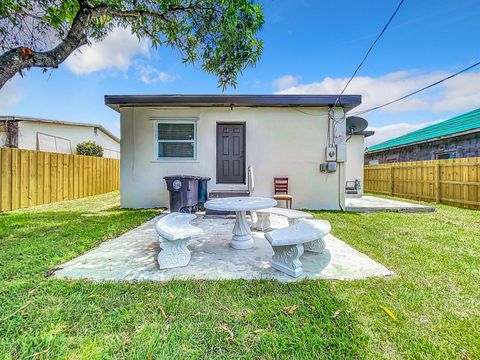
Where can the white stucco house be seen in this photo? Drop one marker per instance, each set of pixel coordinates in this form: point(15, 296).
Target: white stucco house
point(355, 161)
point(220, 136)
point(55, 136)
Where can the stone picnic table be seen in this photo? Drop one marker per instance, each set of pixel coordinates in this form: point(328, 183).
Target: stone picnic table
point(242, 237)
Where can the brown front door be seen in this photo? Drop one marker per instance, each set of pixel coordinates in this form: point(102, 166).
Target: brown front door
point(231, 153)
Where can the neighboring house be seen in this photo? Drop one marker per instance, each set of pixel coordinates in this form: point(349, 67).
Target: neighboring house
point(219, 136)
point(458, 137)
point(355, 162)
point(55, 136)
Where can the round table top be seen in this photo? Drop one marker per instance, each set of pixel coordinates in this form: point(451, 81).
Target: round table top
point(241, 203)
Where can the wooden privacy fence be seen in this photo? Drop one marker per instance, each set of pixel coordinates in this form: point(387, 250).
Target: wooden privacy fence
point(30, 178)
point(452, 181)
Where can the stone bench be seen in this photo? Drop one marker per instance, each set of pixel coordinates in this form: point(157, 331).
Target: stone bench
point(175, 233)
point(263, 217)
point(289, 243)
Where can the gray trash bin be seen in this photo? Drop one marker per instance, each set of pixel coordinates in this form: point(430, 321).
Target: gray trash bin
point(183, 192)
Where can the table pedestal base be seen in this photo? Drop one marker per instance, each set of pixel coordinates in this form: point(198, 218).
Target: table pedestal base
point(242, 237)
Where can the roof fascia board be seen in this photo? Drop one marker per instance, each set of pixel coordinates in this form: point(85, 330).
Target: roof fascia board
point(117, 101)
point(60, 122)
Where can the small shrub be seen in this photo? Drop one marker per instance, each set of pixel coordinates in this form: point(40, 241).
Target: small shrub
point(90, 148)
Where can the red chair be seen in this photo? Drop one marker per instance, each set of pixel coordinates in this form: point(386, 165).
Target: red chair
point(281, 191)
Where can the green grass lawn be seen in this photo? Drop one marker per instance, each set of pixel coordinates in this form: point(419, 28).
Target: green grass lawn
point(435, 295)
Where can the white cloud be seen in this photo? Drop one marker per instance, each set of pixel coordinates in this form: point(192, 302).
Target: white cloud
point(286, 81)
point(461, 93)
point(10, 95)
point(387, 132)
point(149, 74)
point(458, 94)
point(114, 52)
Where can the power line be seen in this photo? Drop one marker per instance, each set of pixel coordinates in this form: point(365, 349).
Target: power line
point(417, 91)
point(369, 50)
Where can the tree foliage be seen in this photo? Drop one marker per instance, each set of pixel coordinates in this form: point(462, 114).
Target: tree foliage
point(221, 35)
point(90, 148)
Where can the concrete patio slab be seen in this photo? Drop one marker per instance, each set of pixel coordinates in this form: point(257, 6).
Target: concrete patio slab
point(369, 204)
point(133, 257)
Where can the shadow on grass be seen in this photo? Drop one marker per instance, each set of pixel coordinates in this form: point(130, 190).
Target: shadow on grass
point(187, 319)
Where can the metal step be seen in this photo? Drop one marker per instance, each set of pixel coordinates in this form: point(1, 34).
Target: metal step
point(216, 194)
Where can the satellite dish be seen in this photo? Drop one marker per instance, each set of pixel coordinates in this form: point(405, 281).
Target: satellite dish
point(356, 124)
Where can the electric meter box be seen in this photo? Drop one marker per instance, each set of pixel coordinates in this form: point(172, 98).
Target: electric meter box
point(331, 153)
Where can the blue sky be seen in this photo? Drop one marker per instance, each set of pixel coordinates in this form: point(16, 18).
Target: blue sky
point(311, 46)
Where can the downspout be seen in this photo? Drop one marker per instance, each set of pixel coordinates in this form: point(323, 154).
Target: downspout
point(341, 195)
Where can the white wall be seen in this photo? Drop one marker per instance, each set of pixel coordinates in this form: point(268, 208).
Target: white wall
point(28, 139)
point(355, 159)
point(279, 142)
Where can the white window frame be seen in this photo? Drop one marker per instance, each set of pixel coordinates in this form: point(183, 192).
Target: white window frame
point(176, 121)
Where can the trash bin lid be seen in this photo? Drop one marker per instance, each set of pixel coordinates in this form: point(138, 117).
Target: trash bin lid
point(189, 177)
point(205, 178)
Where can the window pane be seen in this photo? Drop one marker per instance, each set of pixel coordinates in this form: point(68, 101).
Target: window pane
point(175, 131)
point(177, 150)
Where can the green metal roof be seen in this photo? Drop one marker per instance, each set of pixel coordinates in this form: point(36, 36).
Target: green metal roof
point(465, 122)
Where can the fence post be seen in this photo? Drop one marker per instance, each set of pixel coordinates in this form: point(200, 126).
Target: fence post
point(391, 180)
point(437, 182)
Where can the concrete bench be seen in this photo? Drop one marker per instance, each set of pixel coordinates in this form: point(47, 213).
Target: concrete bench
point(289, 243)
point(175, 233)
point(263, 217)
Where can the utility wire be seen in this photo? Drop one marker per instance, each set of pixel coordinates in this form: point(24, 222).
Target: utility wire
point(369, 50)
point(417, 91)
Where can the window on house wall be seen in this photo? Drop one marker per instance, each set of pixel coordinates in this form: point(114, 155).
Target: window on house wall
point(445, 155)
point(176, 139)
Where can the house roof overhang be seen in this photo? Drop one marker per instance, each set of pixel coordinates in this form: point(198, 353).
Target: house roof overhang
point(347, 101)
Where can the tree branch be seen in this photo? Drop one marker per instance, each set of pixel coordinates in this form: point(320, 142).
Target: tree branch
point(20, 58)
point(17, 59)
point(102, 10)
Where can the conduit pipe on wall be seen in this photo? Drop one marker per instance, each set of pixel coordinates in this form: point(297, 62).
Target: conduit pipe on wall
point(341, 193)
